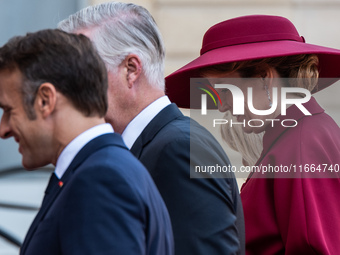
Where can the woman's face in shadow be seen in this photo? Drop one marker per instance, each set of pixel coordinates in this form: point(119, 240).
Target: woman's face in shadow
point(254, 87)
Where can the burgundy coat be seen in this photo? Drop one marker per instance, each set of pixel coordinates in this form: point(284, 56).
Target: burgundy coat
point(296, 215)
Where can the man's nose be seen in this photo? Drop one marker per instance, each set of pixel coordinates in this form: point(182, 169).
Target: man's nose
point(5, 130)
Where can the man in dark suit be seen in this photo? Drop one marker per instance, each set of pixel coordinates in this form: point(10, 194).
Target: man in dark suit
point(206, 214)
point(100, 199)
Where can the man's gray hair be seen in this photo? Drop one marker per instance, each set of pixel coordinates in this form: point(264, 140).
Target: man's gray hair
point(119, 29)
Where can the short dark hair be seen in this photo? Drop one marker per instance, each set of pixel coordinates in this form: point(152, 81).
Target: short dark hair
point(68, 61)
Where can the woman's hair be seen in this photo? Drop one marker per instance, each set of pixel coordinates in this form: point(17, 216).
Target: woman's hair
point(301, 69)
point(248, 145)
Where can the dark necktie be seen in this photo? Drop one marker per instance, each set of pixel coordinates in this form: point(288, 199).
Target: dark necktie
point(52, 185)
point(53, 182)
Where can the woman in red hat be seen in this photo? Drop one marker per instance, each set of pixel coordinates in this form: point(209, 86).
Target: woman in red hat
point(290, 200)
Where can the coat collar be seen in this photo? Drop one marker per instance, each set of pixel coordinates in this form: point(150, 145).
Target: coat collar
point(272, 134)
point(91, 147)
point(165, 116)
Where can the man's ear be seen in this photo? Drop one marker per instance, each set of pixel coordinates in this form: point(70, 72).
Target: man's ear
point(133, 67)
point(46, 99)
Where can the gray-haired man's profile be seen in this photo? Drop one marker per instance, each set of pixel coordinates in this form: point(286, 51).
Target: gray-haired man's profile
point(206, 214)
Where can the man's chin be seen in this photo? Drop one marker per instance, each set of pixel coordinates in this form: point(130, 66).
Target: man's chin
point(29, 166)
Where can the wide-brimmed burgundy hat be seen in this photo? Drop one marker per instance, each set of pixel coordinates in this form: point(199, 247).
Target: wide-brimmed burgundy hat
point(247, 38)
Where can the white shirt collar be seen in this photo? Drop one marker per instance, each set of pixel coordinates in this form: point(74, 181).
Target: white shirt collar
point(71, 150)
point(137, 125)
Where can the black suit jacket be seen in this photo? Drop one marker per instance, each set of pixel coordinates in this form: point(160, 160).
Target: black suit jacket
point(108, 204)
point(206, 214)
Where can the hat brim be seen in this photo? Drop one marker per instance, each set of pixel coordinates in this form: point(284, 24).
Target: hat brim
point(178, 83)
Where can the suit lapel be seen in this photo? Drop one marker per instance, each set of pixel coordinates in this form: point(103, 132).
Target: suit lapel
point(47, 202)
point(86, 151)
point(165, 116)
